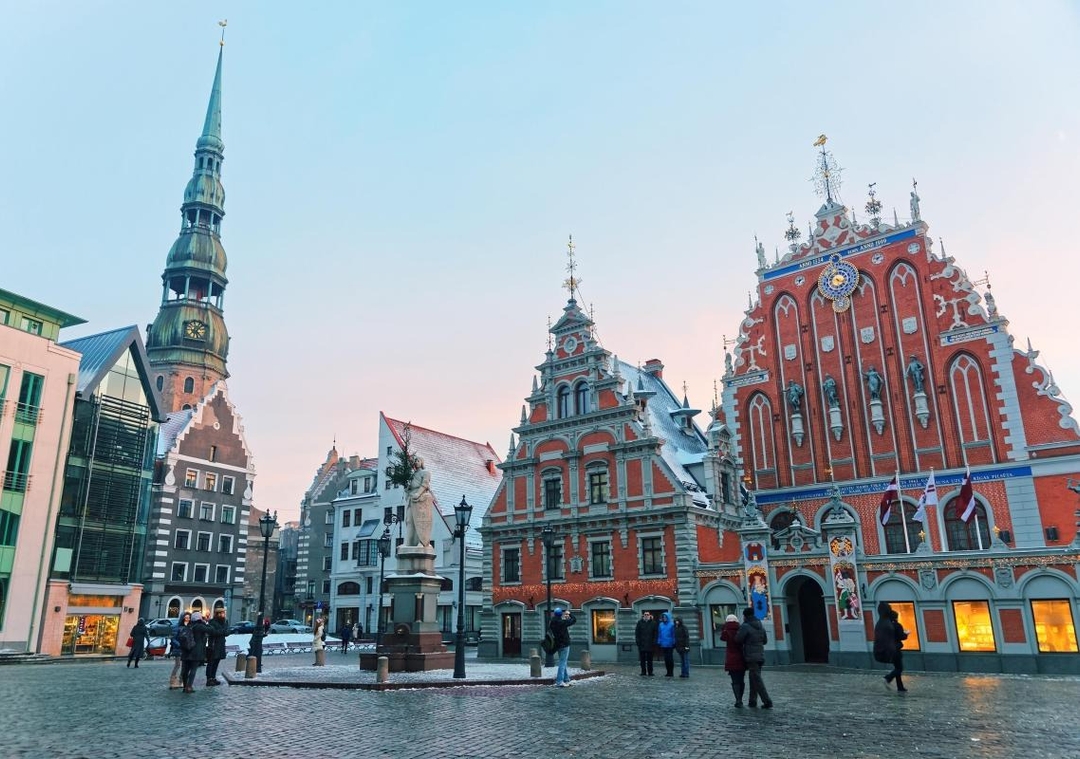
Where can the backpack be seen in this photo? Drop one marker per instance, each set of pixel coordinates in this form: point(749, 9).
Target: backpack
point(548, 643)
point(884, 644)
point(186, 639)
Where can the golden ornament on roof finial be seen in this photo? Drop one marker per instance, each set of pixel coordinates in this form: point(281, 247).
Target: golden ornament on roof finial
point(571, 283)
point(821, 140)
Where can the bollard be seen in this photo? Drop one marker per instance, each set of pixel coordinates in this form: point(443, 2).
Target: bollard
point(251, 666)
point(534, 663)
point(586, 660)
point(320, 657)
point(382, 670)
point(241, 662)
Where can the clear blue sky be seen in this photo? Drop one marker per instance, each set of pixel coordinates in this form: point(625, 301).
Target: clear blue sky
point(401, 177)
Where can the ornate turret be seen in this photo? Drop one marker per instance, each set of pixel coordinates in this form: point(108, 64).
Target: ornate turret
point(188, 339)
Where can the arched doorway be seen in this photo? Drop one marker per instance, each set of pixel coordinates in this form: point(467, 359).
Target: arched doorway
point(808, 628)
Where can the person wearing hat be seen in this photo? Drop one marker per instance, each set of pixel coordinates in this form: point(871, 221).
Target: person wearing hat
point(752, 637)
point(734, 663)
point(139, 634)
point(194, 656)
point(216, 630)
point(560, 627)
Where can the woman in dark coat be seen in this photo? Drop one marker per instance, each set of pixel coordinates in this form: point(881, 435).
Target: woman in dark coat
point(255, 646)
point(195, 656)
point(889, 638)
point(733, 659)
point(682, 645)
point(752, 637)
point(139, 634)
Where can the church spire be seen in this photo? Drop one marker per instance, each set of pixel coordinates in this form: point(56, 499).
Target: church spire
point(188, 343)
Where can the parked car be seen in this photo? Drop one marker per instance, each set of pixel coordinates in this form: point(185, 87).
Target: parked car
point(162, 626)
point(289, 626)
point(242, 628)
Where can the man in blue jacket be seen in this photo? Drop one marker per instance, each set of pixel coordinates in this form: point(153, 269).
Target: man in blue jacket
point(665, 641)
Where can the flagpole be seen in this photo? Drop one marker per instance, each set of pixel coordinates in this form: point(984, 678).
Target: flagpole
point(926, 512)
point(903, 516)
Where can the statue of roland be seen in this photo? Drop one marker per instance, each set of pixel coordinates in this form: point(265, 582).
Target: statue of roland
point(418, 508)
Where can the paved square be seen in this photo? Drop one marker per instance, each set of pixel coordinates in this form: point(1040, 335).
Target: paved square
point(105, 710)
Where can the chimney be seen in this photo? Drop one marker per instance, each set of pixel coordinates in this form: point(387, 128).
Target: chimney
point(654, 367)
point(490, 466)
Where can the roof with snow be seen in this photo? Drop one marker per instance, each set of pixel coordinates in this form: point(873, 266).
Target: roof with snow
point(458, 468)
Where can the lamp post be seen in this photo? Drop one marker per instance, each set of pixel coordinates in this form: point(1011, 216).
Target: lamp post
point(267, 525)
point(384, 551)
point(462, 513)
point(548, 536)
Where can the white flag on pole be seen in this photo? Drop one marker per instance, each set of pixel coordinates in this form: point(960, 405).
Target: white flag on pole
point(928, 498)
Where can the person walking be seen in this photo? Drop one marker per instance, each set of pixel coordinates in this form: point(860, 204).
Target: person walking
point(645, 637)
point(889, 638)
point(174, 652)
point(682, 645)
point(346, 636)
point(139, 634)
point(255, 645)
point(192, 649)
point(216, 631)
point(560, 624)
point(752, 637)
point(665, 641)
point(734, 663)
point(318, 642)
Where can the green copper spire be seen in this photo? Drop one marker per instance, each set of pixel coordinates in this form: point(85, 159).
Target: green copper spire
point(188, 343)
point(211, 133)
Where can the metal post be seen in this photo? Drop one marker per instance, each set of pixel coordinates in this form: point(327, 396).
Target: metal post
point(262, 585)
point(548, 536)
point(459, 646)
point(378, 605)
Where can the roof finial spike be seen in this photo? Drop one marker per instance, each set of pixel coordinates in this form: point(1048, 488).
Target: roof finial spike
point(827, 177)
point(715, 397)
point(791, 234)
point(572, 282)
point(895, 218)
point(549, 342)
point(873, 207)
point(749, 300)
point(223, 23)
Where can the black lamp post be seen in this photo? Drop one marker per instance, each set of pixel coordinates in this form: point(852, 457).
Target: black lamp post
point(548, 536)
point(267, 525)
point(462, 513)
point(384, 551)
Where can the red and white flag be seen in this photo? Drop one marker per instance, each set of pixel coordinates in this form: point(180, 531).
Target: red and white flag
point(928, 498)
point(966, 506)
point(888, 498)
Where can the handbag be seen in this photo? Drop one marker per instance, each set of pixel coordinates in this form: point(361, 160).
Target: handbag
point(130, 641)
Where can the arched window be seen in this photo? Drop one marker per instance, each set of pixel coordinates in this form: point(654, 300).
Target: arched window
point(961, 535)
point(348, 589)
point(581, 397)
point(189, 384)
point(173, 610)
point(562, 402)
point(197, 605)
point(894, 529)
point(160, 382)
point(219, 604)
point(474, 583)
point(781, 520)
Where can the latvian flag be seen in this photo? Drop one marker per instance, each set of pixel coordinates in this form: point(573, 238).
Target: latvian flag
point(967, 498)
point(888, 498)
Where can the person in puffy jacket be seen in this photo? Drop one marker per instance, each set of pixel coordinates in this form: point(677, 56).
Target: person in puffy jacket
point(752, 637)
point(734, 663)
point(665, 641)
point(561, 621)
point(194, 656)
point(682, 645)
point(217, 629)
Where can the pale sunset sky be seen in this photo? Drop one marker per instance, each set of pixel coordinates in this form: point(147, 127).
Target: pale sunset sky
point(401, 178)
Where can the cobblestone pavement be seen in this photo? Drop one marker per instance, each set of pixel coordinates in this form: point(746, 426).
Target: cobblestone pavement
point(106, 710)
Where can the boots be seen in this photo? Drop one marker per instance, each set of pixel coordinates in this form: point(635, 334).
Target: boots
point(174, 682)
point(738, 689)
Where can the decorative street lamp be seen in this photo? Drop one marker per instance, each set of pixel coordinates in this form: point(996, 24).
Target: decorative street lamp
point(267, 525)
point(384, 551)
point(462, 513)
point(548, 536)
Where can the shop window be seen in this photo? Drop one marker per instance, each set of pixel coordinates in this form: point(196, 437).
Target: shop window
point(905, 615)
point(1054, 628)
point(974, 628)
point(603, 626)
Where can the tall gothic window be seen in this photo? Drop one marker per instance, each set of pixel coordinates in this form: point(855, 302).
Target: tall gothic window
point(581, 398)
point(961, 535)
point(189, 385)
point(562, 402)
point(894, 530)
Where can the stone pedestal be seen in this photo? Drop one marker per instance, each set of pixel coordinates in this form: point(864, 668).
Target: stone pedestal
point(922, 409)
point(797, 431)
point(413, 640)
point(836, 422)
point(877, 415)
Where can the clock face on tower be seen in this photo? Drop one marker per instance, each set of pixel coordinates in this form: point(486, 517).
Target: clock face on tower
point(195, 330)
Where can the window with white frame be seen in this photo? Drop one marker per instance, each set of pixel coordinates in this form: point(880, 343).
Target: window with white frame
point(182, 539)
point(221, 574)
point(185, 508)
point(201, 572)
point(191, 478)
point(552, 484)
point(228, 514)
point(210, 481)
point(344, 552)
point(598, 484)
point(206, 511)
point(369, 484)
point(179, 571)
point(600, 559)
point(228, 484)
point(328, 541)
point(354, 487)
point(346, 517)
point(224, 543)
point(511, 565)
point(311, 588)
point(202, 541)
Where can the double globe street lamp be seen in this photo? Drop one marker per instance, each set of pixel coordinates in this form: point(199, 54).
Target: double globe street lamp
point(462, 514)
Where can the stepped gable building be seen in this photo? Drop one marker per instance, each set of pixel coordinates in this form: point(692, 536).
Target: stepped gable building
point(95, 582)
point(205, 474)
point(633, 495)
point(37, 392)
point(867, 354)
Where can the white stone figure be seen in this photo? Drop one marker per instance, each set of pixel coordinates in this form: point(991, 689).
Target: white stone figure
point(419, 507)
point(915, 206)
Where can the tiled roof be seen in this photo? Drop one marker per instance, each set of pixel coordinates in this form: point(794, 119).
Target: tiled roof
point(170, 429)
point(100, 353)
point(681, 448)
point(458, 468)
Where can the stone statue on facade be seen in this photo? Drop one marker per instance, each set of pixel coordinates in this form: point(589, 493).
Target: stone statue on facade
point(829, 386)
point(874, 382)
point(419, 508)
point(761, 262)
point(916, 373)
point(915, 206)
point(795, 393)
